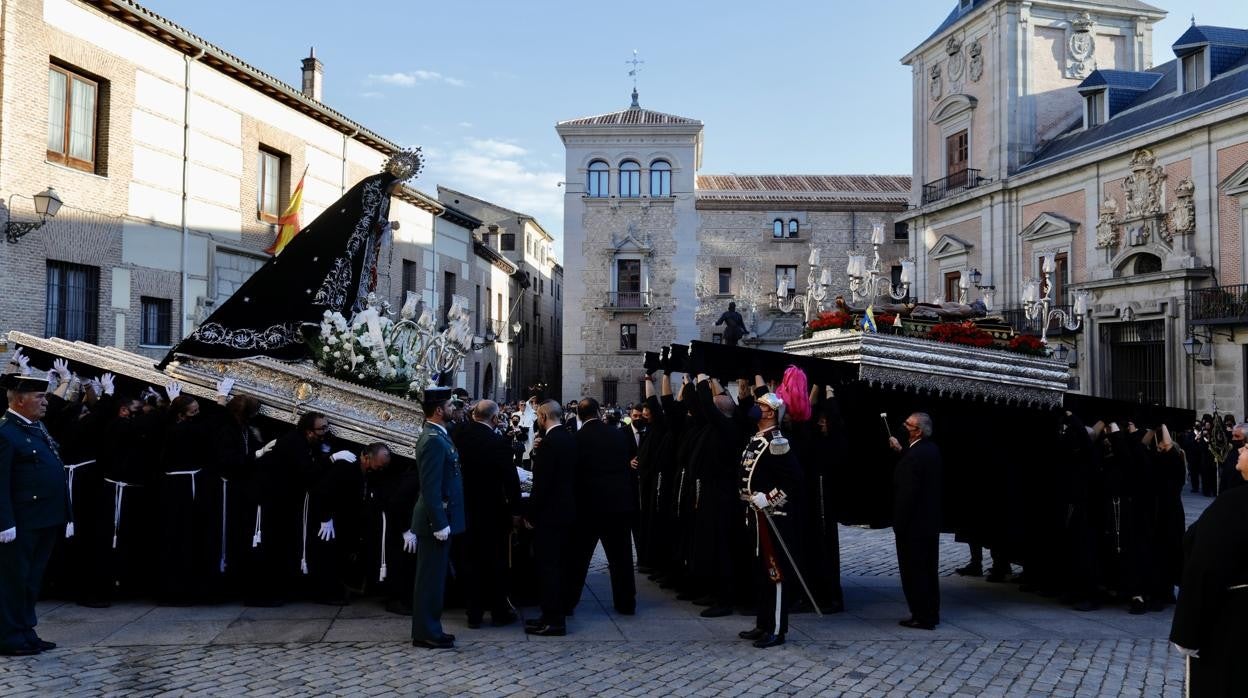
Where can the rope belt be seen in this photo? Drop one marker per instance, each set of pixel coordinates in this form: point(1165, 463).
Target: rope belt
point(1237, 587)
point(255, 535)
point(303, 562)
point(69, 526)
point(192, 474)
point(119, 489)
point(225, 491)
point(381, 577)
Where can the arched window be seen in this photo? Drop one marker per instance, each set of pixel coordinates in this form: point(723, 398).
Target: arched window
point(793, 227)
point(660, 178)
point(596, 185)
point(630, 179)
point(777, 228)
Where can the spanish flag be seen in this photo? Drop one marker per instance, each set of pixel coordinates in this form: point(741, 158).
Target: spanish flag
point(289, 221)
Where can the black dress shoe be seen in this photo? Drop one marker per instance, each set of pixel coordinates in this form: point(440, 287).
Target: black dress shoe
point(716, 612)
point(502, 618)
point(534, 623)
point(18, 652)
point(474, 622)
point(753, 634)
point(548, 630)
point(971, 570)
point(995, 578)
point(626, 611)
point(769, 640)
point(1136, 606)
point(917, 625)
point(43, 645)
point(440, 644)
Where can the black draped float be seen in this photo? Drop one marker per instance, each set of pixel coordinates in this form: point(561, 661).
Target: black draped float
point(330, 265)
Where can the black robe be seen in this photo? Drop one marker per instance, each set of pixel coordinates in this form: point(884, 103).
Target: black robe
point(330, 265)
point(1210, 616)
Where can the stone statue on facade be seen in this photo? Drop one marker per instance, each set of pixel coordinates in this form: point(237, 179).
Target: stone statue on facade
point(976, 68)
point(1107, 226)
point(1183, 211)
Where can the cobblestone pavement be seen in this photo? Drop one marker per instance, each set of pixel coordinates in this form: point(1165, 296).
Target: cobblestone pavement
point(993, 641)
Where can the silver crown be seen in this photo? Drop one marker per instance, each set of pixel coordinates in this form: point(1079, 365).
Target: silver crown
point(405, 164)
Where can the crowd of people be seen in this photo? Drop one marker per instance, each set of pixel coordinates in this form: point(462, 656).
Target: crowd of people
point(730, 497)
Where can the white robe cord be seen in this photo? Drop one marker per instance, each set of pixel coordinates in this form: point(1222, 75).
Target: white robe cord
point(381, 577)
point(303, 562)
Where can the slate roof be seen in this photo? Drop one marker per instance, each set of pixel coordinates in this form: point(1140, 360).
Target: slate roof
point(860, 188)
point(633, 116)
point(958, 12)
point(1124, 79)
point(1156, 107)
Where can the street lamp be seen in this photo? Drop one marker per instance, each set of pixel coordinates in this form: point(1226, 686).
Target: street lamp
point(1199, 351)
point(47, 203)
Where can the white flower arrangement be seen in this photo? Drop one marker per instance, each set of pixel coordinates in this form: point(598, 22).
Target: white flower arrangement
point(400, 357)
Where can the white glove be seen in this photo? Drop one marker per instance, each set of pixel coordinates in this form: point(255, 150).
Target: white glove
point(22, 361)
point(443, 534)
point(759, 500)
point(61, 367)
point(53, 381)
point(108, 383)
point(267, 447)
point(409, 542)
point(173, 389)
point(224, 386)
point(1187, 653)
point(327, 530)
point(343, 455)
point(10, 535)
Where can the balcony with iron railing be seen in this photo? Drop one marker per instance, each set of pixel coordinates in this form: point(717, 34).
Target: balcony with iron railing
point(1221, 305)
point(1017, 319)
point(628, 300)
point(955, 183)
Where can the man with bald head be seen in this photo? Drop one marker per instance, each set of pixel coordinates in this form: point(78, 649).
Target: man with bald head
point(491, 499)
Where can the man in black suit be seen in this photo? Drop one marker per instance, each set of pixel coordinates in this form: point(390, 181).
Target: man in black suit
point(491, 498)
point(33, 509)
point(552, 514)
point(607, 506)
point(916, 521)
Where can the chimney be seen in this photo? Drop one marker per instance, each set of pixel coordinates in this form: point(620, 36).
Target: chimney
point(313, 75)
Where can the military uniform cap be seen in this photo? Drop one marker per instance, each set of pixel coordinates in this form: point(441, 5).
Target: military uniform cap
point(436, 395)
point(24, 384)
point(772, 400)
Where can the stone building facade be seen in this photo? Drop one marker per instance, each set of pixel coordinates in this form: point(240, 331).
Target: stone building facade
point(535, 303)
point(1066, 140)
point(173, 159)
point(654, 252)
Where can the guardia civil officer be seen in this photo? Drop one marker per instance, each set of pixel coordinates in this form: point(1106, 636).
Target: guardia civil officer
point(438, 514)
point(33, 511)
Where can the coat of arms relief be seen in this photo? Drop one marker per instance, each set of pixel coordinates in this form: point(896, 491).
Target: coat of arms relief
point(1146, 216)
point(1080, 47)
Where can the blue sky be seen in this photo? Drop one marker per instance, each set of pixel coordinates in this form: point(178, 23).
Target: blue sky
point(782, 87)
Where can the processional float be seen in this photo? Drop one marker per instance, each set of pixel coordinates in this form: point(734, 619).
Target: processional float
point(308, 332)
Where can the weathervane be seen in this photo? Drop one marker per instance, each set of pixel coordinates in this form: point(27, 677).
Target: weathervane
point(636, 63)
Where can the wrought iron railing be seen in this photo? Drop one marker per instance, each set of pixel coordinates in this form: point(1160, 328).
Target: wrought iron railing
point(1017, 318)
point(953, 184)
point(1221, 305)
point(628, 299)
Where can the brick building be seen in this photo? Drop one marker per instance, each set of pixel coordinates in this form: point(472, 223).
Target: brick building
point(1044, 129)
point(173, 159)
point(654, 252)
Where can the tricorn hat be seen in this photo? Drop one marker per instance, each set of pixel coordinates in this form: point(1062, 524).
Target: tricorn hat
point(436, 395)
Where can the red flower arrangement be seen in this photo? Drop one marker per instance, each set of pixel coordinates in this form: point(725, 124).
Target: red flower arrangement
point(831, 320)
point(885, 320)
point(1027, 344)
point(960, 333)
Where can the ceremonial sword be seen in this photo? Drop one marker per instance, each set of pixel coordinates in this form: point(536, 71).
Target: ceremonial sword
point(784, 546)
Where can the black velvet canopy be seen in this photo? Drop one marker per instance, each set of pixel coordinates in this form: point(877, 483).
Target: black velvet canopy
point(330, 265)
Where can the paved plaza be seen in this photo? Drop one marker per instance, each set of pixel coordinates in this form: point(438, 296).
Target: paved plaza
point(993, 641)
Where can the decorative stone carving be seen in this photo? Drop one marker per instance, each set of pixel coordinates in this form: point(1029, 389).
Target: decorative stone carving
point(975, 70)
point(1107, 227)
point(957, 62)
point(934, 80)
point(1080, 47)
point(1143, 185)
point(1183, 212)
